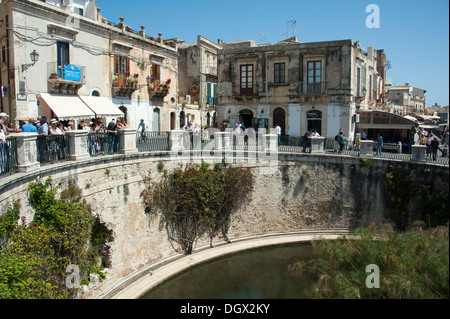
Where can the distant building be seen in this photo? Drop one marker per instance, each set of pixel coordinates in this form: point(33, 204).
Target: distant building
point(407, 100)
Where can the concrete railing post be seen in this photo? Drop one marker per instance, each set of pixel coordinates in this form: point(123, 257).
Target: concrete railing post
point(222, 141)
point(418, 153)
point(366, 148)
point(127, 141)
point(317, 145)
point(78, 145)
point(269, 143)
point(176, 141)
point(27, 152)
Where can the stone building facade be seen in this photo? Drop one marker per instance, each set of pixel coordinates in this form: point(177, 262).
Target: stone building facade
point(129, 70)
point(407, 100)
point(298, 86)
point(197, 89)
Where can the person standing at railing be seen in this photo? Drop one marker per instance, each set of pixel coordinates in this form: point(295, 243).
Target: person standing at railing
point(30, 127)
point(142, 127)
point(379, 144)
point(358, 141)
point(278, 132)
point(341, 141)
point(3, 150)
point(43, 128)
point(121, 124)
point(111, 133)
point(307, 140)
point(434, 147)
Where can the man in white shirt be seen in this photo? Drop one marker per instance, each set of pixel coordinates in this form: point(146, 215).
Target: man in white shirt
point(278, 132)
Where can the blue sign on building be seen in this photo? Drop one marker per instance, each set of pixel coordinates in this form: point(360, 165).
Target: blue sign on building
point(72, 73)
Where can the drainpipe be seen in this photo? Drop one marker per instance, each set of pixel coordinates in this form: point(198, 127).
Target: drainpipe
point(267, 80)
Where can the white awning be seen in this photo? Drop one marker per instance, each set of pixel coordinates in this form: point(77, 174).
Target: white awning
point(66, 107)
point(101, 106)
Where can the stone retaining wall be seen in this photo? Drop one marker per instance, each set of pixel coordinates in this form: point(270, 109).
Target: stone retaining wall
point(304, 192)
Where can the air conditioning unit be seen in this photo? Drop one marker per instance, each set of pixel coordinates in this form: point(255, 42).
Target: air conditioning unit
point(67, 2)
point(188, 99)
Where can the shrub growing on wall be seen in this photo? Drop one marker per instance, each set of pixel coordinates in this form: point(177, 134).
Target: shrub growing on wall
point(34, 255)
point(197, 200)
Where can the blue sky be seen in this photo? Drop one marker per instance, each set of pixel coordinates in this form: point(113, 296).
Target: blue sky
point(413, 33)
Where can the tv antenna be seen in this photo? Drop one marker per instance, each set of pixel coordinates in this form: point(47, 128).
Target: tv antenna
point(388, 65)
point(291, 28)
point(235, 36)
point(261, 37)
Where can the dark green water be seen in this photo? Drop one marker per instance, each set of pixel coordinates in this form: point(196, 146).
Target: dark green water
point(254, 274)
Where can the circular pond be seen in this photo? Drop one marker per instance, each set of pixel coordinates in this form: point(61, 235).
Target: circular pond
point(255, 274)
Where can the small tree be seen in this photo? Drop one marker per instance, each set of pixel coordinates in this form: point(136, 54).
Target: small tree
point(196, 200)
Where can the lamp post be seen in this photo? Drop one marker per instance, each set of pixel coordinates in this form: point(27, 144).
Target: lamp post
point(34, 58)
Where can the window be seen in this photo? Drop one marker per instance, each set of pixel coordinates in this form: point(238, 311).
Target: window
point(246, 79)
point(156, 72)
point(211, 94)
point(121, 65)
point(370, 87)
point(358, 82)
point(314, 79)
point(79, 11)
point(4, 54)
point(279, 75)
point(63, 59)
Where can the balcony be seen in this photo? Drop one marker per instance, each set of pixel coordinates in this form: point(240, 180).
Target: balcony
point(310, 92)
point(65, 78)
point(158, 90)
point(124, 85)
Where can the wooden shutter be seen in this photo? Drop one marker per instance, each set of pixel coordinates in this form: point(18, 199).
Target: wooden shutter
point(128, 64)
point(116, 64)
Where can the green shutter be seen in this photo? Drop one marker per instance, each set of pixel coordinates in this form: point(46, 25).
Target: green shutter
point(208, 94)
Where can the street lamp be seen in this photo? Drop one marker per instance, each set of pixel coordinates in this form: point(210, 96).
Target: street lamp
point(34, 58)
point(364, 92)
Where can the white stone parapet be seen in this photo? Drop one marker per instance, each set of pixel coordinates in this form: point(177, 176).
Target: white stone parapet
point(418, 153)
point(127, 141)
point(176, 140)
point(222, 141)
point(317, 145)
point(27, 151)
point(269, 143)
point(366, 148)
point(78, 145)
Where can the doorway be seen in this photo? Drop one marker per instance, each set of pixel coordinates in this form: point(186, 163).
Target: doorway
point(156, 119)
point(279, 118)
point(315, 121)
point(246, 118)
point(173, 120)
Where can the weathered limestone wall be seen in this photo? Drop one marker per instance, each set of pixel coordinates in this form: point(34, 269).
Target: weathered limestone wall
point(305, 192)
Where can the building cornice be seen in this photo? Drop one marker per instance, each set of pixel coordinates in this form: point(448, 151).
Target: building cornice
point(92, 26)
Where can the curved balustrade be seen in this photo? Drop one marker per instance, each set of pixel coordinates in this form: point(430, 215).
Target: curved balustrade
point(26, 152)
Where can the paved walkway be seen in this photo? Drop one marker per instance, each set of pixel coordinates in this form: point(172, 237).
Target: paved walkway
point(139, 283)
